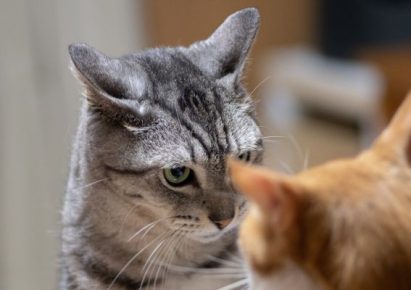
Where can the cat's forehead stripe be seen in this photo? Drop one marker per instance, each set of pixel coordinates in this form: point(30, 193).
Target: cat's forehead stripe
point(196, 103)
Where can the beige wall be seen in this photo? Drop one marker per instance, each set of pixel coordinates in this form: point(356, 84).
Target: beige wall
point(180, 22)
point(39, 102)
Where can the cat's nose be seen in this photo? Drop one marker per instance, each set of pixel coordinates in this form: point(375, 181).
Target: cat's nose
point(221, 224)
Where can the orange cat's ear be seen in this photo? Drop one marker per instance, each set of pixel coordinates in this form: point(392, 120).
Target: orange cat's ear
point(397, 136)
point(271, 192)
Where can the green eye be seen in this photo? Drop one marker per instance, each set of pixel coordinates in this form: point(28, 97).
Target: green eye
point(178, 176)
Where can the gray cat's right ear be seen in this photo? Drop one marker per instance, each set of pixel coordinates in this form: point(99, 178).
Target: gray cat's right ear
point(106, 84)
point(225, 51)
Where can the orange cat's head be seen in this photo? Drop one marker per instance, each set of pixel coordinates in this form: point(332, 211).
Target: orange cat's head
point(343, 225)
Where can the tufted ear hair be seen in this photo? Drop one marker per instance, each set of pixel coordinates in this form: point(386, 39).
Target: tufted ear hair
point(111, 87)
point(225, 51)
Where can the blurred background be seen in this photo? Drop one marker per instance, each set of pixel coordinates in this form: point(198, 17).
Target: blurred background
point(326, 76)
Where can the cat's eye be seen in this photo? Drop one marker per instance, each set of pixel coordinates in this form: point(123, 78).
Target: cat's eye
point(178, 176)
point(246, 156)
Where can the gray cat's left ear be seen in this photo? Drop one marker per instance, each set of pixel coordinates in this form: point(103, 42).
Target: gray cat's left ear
point(225, 51)
point(110, 86)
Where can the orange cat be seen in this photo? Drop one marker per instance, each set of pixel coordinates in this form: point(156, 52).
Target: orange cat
point(344, 225)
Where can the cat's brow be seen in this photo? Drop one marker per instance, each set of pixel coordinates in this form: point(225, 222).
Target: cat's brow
point(128, 170)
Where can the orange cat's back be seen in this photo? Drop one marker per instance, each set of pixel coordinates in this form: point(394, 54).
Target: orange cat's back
point(345, 224)
point(366, 203)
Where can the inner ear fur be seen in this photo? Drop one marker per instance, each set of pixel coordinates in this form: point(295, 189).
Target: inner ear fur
point(107, 87)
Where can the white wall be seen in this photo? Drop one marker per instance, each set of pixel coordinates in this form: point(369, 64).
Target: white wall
point(38, 111)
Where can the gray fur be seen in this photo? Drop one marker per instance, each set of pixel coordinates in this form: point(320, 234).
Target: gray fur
point(145, 112)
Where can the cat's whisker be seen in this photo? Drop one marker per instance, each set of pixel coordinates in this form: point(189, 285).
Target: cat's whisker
point(135, 257)
point(234, 285)
point(90, 184)
point(224, 276)
point(224, 261)
point(147, 227)
point(286, 167)
point(226, 270)
point(260, 84)
point(157, 262)
point(154, 262)
point(304, 157)
point(299, 150)
point(151, 260)
point(271, 141)
point(306, 160)
point(274, 137)
point(126, 216)
point(237, 258)
point(168, 254)
point(296, 145)
point(171, 254)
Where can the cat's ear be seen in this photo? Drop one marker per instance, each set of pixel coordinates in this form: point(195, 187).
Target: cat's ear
point(276, 197)
point(224, 53)
point(396, 137)
point(110, 86)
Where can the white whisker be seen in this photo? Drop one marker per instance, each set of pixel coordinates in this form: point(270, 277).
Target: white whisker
point(274, 137)
point(306, 160)
point(237, 258)
point(234, 285)
point(224, 261)
point(149, 262)
point(260, 84)
point(271, 141)
point(150, 258)
point(154, 260)
point(90, 184)
point(168, 255)
point(211, 271)
point(126, 216)
point(286, 167)
point(133, 258)
point(148, 227)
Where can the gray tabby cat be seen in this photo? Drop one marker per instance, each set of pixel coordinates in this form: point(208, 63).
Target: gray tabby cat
point(148, 193)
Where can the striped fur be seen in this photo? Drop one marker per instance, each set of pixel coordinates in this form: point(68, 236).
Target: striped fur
point(145, 112)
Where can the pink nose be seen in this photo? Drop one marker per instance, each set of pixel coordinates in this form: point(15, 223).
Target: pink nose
point(221, 224)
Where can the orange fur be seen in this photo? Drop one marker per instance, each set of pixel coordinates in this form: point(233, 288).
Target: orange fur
point(346, 224)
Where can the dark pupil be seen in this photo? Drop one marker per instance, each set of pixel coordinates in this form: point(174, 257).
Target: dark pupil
point(177, 172)
point(245, 156)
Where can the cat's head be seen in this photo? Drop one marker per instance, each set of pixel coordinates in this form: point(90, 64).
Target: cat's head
point(343, 225)
point(160, 123)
